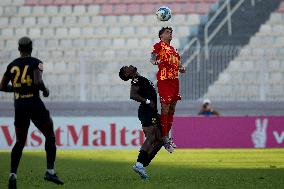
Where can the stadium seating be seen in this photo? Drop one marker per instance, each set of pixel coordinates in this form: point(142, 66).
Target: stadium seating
point(258, 72)
point(101, 35)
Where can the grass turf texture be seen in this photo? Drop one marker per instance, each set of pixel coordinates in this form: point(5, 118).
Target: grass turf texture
point(109, 169)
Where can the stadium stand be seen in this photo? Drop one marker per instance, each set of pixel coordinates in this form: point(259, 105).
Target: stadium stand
point(84, 43)
point(93, 37)
point(257, 73)
point(239, 66)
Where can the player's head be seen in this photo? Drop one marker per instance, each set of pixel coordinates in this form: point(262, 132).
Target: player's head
point(25, 45)
point(127, 72)
point(166, 33)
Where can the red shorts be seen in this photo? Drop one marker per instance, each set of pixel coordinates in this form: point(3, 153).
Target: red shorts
point(169, 91)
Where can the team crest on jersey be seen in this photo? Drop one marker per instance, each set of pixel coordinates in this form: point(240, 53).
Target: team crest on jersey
point(154, 121)
point(135, 80)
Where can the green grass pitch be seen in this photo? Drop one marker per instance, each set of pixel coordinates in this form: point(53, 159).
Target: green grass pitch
point(194, 168)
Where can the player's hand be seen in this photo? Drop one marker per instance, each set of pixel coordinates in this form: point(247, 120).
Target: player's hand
point(45, 93)
point(158, 62)
point(182, 69)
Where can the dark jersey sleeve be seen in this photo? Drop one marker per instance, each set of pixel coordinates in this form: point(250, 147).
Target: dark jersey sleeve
point(38, 65)
point(7, 74)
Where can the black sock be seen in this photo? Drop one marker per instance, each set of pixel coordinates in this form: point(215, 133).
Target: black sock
point(50, 149)
point(153, 154)
point(142, 157)
point(16, 155)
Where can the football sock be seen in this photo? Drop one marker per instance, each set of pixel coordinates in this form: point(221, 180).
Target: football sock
point(142, 157)
point(164, 123)
point(16, 156)
point(170, 122)
point(153, 154)
point(165, 139)
point(50, 149)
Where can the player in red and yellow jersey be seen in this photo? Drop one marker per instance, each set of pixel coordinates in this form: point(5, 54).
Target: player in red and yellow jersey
point(168, 60)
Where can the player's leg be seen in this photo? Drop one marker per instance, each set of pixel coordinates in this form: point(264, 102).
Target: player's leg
point(42, 120)
point(171, 115)
point(165, 108)
point(50, 147)
point(147, 152)
point(170, 120)
point(21, 135)
point(175, 97)
point(150, 139)
point(145, 116)
point(138, 167)
point(150, 121)
point(165, 100)
point(21, 123)
point(157, 145)
point(154, 153)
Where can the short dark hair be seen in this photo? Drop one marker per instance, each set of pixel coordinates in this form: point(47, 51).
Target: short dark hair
point(163, 30)
point(25, 45)
point(122, 74)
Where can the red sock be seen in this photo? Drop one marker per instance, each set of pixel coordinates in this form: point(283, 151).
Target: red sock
point(164, 124)
point(170, 122)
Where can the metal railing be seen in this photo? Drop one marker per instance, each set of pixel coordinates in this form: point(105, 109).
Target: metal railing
point(234, 73)
point(227, 19)
point(199, 77)
point(207, 38)
point(195, 53)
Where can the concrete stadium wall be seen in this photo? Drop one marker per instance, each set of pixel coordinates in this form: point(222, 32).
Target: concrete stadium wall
point(129, 108)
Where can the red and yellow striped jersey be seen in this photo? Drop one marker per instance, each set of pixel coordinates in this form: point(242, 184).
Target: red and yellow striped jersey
point(169, 60)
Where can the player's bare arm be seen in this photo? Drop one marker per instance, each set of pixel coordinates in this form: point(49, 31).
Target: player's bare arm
point(154, 60)
point(135, 96)
point(38, 81)
point(5, 86)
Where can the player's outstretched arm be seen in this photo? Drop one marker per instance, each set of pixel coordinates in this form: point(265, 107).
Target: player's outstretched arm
point(38, 81)
point(5, 86)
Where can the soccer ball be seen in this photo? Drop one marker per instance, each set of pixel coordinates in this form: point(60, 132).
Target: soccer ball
point(164, 13)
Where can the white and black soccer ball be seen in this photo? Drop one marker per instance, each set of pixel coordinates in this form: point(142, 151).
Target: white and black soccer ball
point(164, 13)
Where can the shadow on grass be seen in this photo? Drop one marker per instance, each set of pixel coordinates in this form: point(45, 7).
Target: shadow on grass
point(96, 172)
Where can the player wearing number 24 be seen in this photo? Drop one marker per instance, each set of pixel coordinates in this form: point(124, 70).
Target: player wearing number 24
point(25, 74)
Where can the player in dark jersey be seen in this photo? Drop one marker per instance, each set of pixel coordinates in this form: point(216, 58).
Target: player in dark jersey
point(25, 74)
point(143, 91)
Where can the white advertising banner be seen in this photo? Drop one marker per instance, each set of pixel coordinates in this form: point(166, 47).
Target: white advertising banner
point(80, 133)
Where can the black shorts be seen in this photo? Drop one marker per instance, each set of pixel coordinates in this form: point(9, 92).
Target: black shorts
point(148, 117)
point(30, 109)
